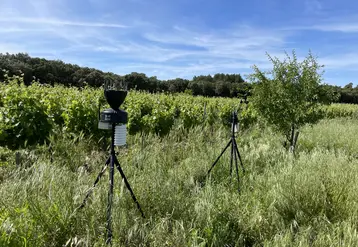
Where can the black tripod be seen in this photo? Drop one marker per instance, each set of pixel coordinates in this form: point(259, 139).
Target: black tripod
point(234, 151)
point(112, 160)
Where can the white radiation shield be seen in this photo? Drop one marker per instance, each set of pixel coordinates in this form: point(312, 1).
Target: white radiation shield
point(120, 135)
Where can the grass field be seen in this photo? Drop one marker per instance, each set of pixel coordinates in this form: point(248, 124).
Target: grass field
point(309, 200)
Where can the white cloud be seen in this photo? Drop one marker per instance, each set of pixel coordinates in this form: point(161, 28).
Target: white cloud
point(313, 6)
point(178, 43)
point(337, 27)
point(57, 22)
point(21, 30)
point(346, 24)
point(346, 61)
point(185, 71)
point(10, 48)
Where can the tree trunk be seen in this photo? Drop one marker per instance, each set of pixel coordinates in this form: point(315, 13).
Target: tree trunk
point(293, 139)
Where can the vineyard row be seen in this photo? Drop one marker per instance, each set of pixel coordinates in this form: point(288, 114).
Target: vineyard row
point(29, 113)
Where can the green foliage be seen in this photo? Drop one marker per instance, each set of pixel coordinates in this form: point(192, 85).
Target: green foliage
point(23, 116)
point(80, 113)
point(348, 94)
point(28, 114)
point(288, 95)
point(341, 110)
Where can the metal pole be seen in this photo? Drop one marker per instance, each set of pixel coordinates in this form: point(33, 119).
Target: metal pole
point(237, 168)
point(110, 192)
point(232, 141)
point(231, 156)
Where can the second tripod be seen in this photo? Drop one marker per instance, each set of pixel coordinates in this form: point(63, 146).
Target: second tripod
point(235, 154)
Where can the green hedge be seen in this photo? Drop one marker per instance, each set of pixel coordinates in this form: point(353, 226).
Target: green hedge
point(28, 114)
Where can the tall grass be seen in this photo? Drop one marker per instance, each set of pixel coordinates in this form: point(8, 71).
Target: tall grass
point(310, 200)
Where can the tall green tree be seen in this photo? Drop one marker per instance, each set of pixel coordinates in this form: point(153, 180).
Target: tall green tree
point(288, 96)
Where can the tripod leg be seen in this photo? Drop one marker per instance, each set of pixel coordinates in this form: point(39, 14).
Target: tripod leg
point(95, 183)
point(219, 157)
point(231, 157)
point(128, 186)
point(110, 199)
point(238, 154)
point(237, 172)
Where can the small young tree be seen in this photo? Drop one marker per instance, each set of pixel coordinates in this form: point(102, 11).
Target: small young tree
point(289, 95)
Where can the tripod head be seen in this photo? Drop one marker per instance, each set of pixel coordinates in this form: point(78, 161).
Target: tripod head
point(235, 120)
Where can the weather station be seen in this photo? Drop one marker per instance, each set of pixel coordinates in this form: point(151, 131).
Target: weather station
point(114, 119)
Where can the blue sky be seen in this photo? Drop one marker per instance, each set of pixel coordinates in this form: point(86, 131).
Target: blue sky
point(183, 38)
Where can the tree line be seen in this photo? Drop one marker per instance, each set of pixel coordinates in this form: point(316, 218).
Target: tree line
point(347, 93)
point(56, 71)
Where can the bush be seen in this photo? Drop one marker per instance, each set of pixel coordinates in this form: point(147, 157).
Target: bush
point(23, 117)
